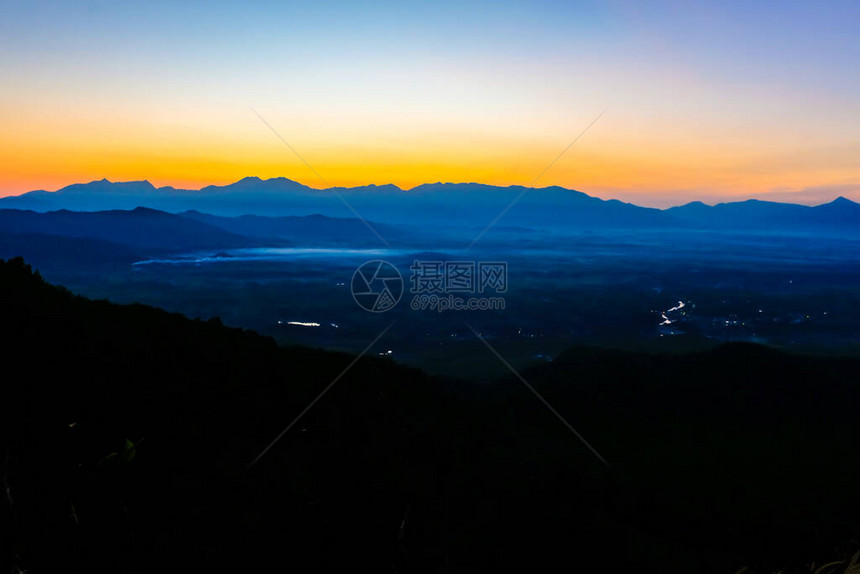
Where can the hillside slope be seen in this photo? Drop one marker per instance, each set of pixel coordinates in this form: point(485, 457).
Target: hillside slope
point(740, 455)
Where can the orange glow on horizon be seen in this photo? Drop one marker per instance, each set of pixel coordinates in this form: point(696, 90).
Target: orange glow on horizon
point(703, 102)
point(609, 162)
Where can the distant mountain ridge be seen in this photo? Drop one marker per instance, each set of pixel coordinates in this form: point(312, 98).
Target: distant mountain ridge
point(753, 212)
point(141, 228)
point(462, 205)
point(65, 239)
point(297, 228)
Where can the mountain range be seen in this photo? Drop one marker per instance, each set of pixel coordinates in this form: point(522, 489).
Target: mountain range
point(85, 240)
point(440, 205)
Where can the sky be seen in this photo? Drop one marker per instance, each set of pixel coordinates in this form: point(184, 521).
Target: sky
point(712, 101)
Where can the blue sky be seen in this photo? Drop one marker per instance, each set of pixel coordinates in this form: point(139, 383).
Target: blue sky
point(703, 100)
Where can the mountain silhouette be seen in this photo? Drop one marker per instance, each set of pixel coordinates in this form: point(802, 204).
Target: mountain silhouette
point(86, 241)
point(301, 230)
point(127, 434)
point(62, 253)
point(439, 205)
point(141, 227)
point(841, 213)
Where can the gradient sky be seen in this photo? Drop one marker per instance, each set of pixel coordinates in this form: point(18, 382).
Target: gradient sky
point(717, 101)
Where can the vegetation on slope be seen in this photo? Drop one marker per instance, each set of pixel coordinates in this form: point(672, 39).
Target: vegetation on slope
point(127, 434)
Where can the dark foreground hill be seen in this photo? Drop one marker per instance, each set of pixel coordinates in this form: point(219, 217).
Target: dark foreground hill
point(127, 433)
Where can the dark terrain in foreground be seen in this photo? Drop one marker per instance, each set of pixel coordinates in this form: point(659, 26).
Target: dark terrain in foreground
point(740, 455)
